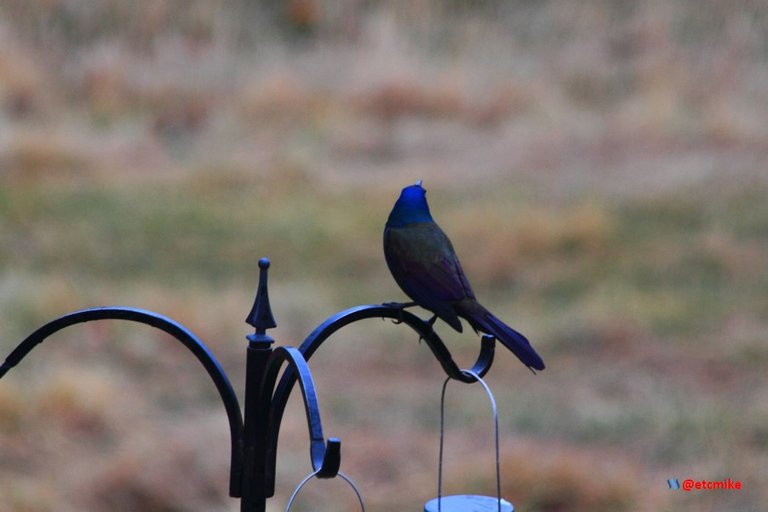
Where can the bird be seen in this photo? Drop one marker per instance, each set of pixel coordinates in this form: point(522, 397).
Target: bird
point(424, 264)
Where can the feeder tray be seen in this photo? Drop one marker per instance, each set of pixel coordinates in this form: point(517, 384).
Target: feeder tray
point(468, 503)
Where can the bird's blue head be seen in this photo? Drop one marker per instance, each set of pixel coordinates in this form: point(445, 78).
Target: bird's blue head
point(411, 207)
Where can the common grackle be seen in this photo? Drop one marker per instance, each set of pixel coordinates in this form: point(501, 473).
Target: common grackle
point(424, 264)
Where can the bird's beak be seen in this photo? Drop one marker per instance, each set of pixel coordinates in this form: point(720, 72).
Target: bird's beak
point(418, 183)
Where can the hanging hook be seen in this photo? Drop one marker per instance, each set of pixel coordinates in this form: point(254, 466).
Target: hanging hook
point(331, 459)
point(325, 456)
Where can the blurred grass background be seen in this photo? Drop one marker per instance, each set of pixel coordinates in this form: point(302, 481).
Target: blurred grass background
point(599, 166)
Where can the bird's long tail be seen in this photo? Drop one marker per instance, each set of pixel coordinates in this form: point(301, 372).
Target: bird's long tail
point(483, 320)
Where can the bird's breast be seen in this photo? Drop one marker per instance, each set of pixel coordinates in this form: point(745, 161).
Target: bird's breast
point(422, 241)
point(420, 254)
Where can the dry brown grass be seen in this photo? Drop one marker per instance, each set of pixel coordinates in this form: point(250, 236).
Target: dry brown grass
point(599, 167)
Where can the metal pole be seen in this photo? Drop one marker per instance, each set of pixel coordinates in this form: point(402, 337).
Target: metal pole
point(256, 413)
point(254, 497)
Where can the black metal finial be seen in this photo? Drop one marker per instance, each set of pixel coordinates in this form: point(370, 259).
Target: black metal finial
point(260, 316)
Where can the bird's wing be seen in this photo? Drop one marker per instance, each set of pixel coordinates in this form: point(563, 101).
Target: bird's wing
point(424, 264)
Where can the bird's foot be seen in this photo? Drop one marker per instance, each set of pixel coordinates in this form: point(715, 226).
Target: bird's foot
point(400, 306)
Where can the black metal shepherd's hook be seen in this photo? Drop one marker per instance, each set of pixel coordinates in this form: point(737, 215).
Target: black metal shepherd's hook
point(254, 434)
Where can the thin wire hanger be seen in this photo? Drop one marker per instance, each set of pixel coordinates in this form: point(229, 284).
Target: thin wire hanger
point(442, 438)
point(313, 475)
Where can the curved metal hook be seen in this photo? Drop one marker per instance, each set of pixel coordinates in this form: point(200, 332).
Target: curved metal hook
point(176, 330)
point(346, 317)
point(422, 327)
point(326, 459)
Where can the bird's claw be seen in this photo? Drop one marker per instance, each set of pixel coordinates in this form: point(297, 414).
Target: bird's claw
point(400, 306)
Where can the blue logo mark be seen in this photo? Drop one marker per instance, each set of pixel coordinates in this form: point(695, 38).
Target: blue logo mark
point(674, 484)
